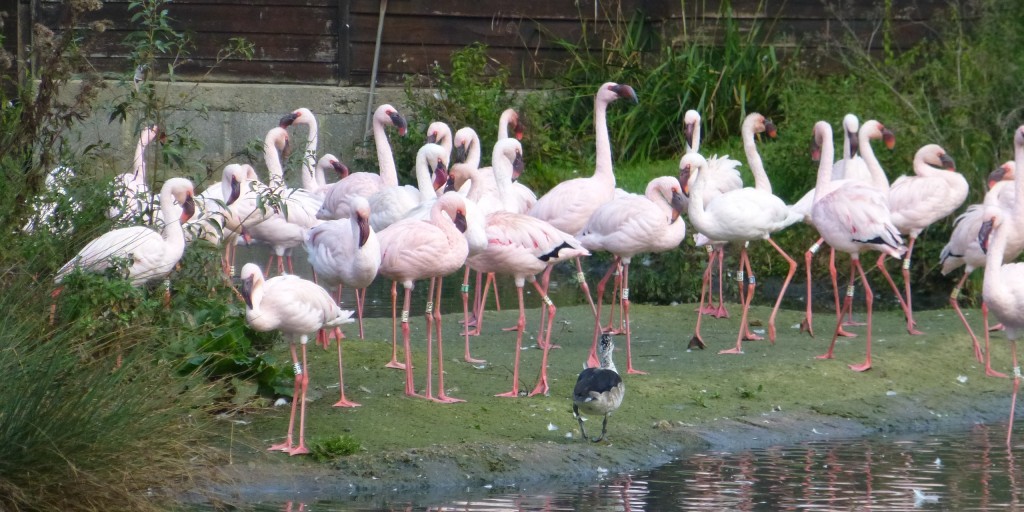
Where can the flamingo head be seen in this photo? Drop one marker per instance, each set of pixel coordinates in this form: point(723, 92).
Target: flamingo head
point(287, 120)
point(677, 202)
point(398, 121)
point(1004, 172)
point(363, 221)
point(888, 137)
point(689, 168)
point(622, 91)
point(992, 222)
point(815, 149)
point(770, 128)
point(691, 121)
point(339, 168)
point(518, 126)
point(252, 279)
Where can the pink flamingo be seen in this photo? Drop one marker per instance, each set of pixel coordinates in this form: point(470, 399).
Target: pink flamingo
point(413, 249)
point(864, 168)
point(131, 187)
point(964, 248)
point(1002, 287)
point(627, 226)
point(915, 202)
point(569, 204)
point(365, 184)
point(296, 307)
point(523, 246)
point(723, 176)
point(346, 252)
point(391, 204)
point(738, 216)
point(851, 216)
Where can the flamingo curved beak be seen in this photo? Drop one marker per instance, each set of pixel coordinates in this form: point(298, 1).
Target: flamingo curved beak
point(888, 138)
point(236, 190)
point(460, 221)
point(188, 208)
point(984, 234)
point(461, 152)
point(440, 175)
point(363, 222)
point(854, 144)
point(432, 138)
point(518, 166)
point(947, 162)
point(678, 205)
point(688, 131)
point(684, 180)
point(449, 186)
point(340, 168)
point(287, 120)
point(770, 129)
point(815, 150)
point(399, 122)
point(625, 91)
point(247, 286)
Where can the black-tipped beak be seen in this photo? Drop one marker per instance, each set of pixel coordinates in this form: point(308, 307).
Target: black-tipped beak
point(431, 138)
point(984, 234)
point(815, 150)
point(947, 162)
point(770, 129)
point(995, 177)
point(625, 91)
point(888, 138)
point(247, 291)
point(449, 186)
point(684, 180)
point(688, 131)
point(236, 190)
point(340, 168)
point(287, 120)
point(854, 144)
point(364, 229)
point(461, 153)
point(518, 166)
point(678, 204)
point(460, 221)
point(399, 122)
point(188, 208)
point(440, 175)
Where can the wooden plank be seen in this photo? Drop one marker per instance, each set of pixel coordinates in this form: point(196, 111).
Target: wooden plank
point(278, 72)
point(123, 4)
point(269, 47)
point(530, 9)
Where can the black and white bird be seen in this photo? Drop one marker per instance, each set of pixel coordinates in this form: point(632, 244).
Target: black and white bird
point(598, 390)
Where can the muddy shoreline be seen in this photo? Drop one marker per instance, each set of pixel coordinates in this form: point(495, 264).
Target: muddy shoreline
point(768, 396)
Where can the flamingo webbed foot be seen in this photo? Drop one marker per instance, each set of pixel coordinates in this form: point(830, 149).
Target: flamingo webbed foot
point(992, 373)
point(298, 450)
point(863, 367)
point(720, 312)
point(633, 371)
point(344, 402)
point(734, 350)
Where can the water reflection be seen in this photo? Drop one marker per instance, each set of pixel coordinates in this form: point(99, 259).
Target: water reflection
point(970, 470)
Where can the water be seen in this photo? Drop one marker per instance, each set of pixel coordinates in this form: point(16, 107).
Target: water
point(970, 470)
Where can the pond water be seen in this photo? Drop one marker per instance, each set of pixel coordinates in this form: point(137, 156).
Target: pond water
point(968, 470)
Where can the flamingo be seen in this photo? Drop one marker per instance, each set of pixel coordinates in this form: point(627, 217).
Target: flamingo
point(569, 204)
point(915, 202)
point(523, 246)
point(724, 176)
point(151, 255)
point(285, 230)
point(438, 132)
point(853, 166)
point(738, 216)
point(366, 184)
point(131, 189)
point(851, 216)
point(313, 182)
point(413, 249)
point(391, 204)
point(599, 390)
point(296, 307)
point(964, 249)
point(1001, 287)
point(346, 252)
point(870, 130)
point(627, 226)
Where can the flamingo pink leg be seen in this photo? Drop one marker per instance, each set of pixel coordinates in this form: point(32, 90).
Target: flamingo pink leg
point(808, 322)
point(745, 270)
point(542, 381)
point(360, 294)
point(988, 350)
point(296, 395)
point(782, 293)
point(738, 349)
point(696, 340)
point(868, 300)
point(1016, 386)
point(706, 280)
point(342, 402)
point(521, 326)
point(592, 361)
point(720, 311)
point(301, 449)
point(410, 389)
point(954, 301)
point(441, 395)
point(429, 315)
point(904, 303)
point(626, 322)
point(394, 328)
point(911, 324)
point(465, 315)
point(847, 307)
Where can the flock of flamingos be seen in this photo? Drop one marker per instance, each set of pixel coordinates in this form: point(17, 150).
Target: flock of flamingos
point(461, 215)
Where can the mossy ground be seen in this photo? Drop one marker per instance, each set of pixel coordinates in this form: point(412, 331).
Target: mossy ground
point(689, 400)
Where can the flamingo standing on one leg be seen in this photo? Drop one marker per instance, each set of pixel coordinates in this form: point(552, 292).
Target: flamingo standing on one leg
point(569, 204)
point(1002, 287)
point(915, 202)
point(851, 216)
point(964, 247)
point(627, 226)
point(523, 246)
point(413, 249)
point(296, 307)
point(346, 252)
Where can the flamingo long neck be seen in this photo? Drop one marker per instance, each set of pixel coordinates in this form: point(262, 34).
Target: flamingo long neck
point(503, 122)
point(312, 176)
point(696, 139)
point(993, 280)
point(502, 168)
point(824, 133)
point(139, 165)
point(172, 232)
point(695, 210)
point(761, 181)
point(473, 157)
point(385, 159)
point(440, 218)
point(1018, 181)
point(424, 183)
point(603, 168)
point(273, 161)
point(867, 152)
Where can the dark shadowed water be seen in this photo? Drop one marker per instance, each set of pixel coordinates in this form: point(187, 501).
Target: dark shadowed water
point(969, 470)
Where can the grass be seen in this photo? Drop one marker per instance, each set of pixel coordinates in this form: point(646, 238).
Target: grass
point(686, 392)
